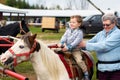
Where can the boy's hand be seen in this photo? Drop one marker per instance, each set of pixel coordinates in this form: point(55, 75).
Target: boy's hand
point(59, 45)
point(65, 48)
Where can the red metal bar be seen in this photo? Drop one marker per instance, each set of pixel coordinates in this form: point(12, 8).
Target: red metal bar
point(13, 74)
point(6, 39)
point(52, 46)
point(6, 45)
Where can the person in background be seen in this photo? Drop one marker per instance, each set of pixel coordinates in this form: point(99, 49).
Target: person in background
point(116, 14)
point(106, 43)
point(70, 40)
point(2, 23)
point(67, 25)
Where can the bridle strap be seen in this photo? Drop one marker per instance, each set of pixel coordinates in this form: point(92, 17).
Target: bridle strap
point(22, 30)
point(14, 56)
point(27, 54)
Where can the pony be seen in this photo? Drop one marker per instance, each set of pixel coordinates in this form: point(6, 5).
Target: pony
point(12, 29)
point(46, 63)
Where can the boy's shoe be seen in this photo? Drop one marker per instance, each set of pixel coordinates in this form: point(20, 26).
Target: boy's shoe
point(86, 77)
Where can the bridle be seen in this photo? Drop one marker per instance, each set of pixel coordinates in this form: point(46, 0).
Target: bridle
point(22, 30)
point(26, 54)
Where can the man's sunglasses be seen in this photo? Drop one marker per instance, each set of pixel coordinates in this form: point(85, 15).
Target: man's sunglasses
point(106, 24)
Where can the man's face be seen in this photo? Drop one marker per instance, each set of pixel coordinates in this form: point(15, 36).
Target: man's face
point(107, 25)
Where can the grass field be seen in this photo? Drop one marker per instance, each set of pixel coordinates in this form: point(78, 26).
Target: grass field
point(25, 68)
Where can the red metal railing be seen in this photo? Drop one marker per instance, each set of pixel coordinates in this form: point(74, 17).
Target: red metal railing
point(12, 74)
point(7, 71)
point(7, 40)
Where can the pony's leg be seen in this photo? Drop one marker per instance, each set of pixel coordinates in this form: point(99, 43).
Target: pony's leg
point(38, 78)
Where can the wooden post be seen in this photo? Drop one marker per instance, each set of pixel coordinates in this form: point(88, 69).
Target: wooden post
point(1, 16)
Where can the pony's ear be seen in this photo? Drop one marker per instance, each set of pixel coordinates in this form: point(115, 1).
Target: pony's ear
point(32, 38)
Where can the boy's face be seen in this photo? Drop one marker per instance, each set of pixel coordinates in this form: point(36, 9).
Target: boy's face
point(74, 24)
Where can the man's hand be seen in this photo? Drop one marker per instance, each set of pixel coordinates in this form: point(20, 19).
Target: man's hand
point(82, 44)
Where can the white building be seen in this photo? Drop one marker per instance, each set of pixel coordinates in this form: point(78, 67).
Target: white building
point(10, 11)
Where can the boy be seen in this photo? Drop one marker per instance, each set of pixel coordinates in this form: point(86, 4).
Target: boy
point(70, 40)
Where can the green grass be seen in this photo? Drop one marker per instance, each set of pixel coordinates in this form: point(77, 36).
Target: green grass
point(95, 59)
point(26, 67)
point(48, 34)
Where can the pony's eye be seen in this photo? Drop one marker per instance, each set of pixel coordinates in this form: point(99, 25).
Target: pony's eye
point(21, 46)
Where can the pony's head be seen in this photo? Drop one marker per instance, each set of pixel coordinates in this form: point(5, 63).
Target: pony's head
point(13, 29)
point(21, 51)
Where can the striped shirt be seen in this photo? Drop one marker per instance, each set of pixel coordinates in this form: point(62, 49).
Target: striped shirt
point(72, 38)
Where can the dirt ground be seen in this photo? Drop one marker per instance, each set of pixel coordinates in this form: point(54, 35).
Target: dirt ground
point(50, 41)
point(30, 76)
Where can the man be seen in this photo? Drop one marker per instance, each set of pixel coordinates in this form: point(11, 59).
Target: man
point(106, 43)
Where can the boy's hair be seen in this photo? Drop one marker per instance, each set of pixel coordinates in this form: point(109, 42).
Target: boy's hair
point(79, 19)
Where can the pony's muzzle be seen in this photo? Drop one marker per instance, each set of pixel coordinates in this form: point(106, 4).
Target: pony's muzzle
point(8, 61)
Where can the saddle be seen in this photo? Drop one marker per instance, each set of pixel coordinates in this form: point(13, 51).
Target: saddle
point(71, 65)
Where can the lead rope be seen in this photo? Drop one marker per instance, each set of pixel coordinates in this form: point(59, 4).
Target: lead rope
point(21, 29)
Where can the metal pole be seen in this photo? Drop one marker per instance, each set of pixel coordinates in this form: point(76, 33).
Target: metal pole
point(12, 74)
point(95, 6)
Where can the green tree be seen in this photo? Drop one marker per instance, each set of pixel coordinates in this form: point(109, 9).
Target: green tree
point(2, 1)
point(58, 7)
point(18, 4)
point(11, 3)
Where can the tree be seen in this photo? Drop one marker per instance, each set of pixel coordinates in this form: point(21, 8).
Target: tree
point(11, 3)
point(58, 7)
point(69, 4)
point(77, 4)
point(2, 1)
point(19, 4)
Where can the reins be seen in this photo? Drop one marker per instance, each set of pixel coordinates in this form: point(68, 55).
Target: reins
point(27, 54)
point(22, 30)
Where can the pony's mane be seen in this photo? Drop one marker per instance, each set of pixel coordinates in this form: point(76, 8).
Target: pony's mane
point(51, 60)
point(25, 38)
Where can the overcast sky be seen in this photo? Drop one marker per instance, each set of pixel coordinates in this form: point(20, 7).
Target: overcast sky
point(105, 4)
point(102, 4)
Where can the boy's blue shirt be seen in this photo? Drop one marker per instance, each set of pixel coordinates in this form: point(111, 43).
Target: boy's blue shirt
point(72, 38)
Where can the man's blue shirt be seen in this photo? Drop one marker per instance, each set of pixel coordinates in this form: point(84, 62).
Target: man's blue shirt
point(107, 47)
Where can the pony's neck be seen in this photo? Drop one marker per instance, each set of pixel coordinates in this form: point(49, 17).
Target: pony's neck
point(48, 65)
point(39, 68)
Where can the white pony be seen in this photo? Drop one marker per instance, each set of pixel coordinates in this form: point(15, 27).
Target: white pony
point(47, 65)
